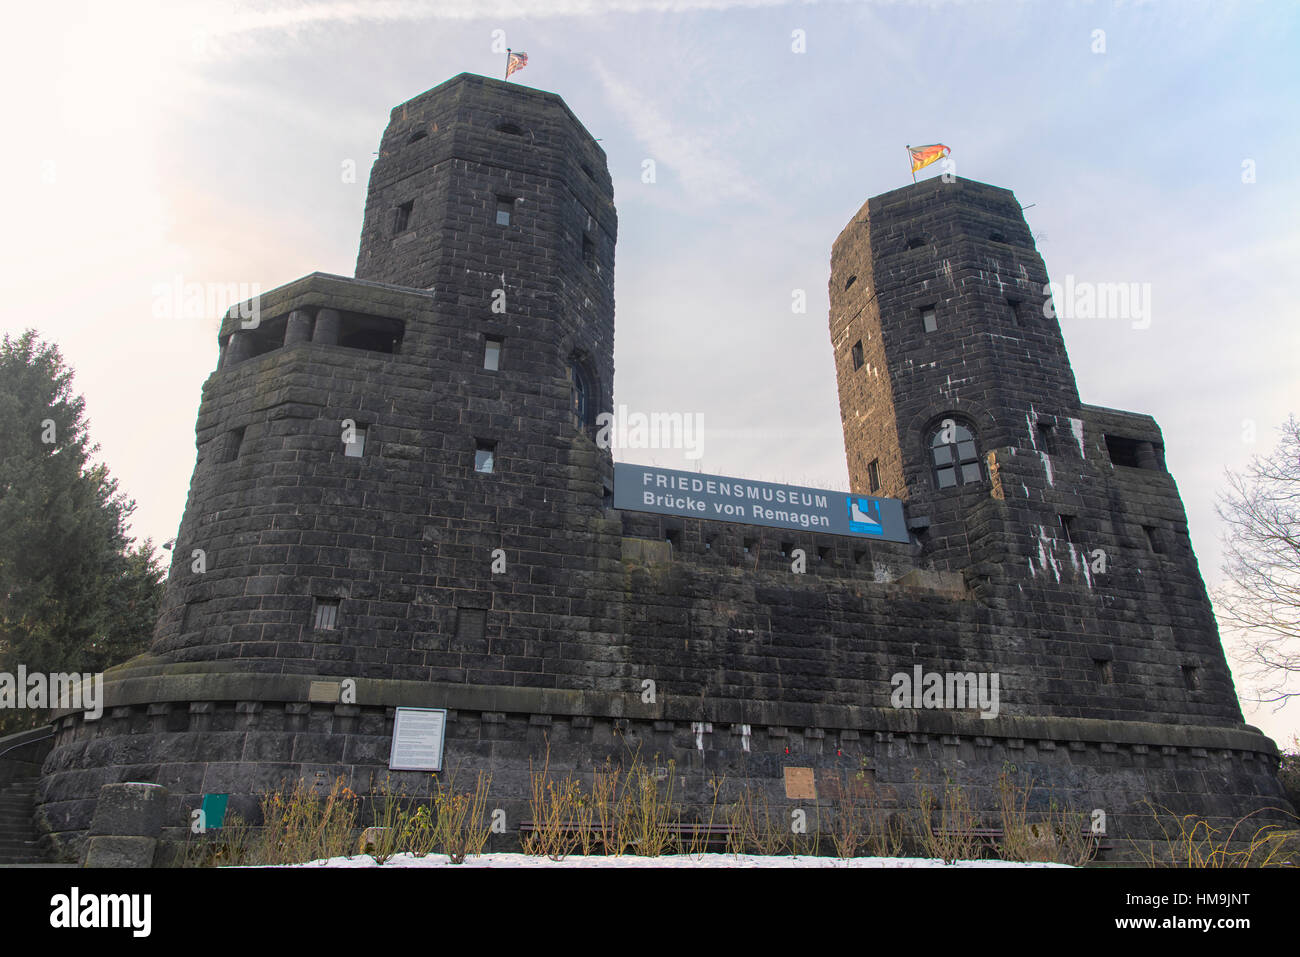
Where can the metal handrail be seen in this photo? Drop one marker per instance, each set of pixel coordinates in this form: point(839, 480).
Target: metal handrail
point(23, 744)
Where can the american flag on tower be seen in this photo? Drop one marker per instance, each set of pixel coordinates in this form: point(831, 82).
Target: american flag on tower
point(515, 62)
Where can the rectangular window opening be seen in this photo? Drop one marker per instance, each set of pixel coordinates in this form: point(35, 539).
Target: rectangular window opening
point(492, 354)
point(1046, 437)
point(823, 553)
point(402, 217)
point(750, 544)
point(353, 449)
point(1013, 308)
point(1105, 671)
point(325, 614)
point(673, 537)
point(471, 623)
point(485, 456)
point(505, 205)
point(1067, 527)
point(929, 321)
point(873, 475)
point(1192, 677)
point(857, 355)
point(588, 251)
point(859, 556)
point(1153, 539)
point(234, 444)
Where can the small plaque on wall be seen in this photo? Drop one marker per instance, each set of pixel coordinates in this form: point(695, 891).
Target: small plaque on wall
point(418, 735)
point(799, 784)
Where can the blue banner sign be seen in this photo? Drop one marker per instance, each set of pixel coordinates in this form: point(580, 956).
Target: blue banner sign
point(643, 488)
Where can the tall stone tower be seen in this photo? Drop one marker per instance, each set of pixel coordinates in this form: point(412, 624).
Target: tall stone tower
point(957, 396)
point(399, 501)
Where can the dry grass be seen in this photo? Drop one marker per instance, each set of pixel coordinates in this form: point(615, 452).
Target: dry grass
point(1192, 841)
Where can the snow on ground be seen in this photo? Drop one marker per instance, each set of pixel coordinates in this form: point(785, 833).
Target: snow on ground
point(667, 860)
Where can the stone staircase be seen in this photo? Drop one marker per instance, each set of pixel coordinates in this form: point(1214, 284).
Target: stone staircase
point(17, 823)
point(21, 756)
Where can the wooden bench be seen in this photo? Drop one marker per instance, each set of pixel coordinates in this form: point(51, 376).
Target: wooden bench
point(991, 836)
point(710, 833)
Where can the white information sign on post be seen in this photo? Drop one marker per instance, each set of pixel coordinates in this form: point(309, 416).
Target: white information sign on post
point(418, 735)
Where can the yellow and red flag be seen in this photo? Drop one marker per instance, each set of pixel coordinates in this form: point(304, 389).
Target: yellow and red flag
point(923, 156)
point(515, 62)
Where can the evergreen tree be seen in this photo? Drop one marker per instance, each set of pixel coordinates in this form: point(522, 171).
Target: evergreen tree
point(75, 593)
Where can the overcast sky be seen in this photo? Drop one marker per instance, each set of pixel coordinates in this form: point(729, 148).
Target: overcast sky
point(206, 142)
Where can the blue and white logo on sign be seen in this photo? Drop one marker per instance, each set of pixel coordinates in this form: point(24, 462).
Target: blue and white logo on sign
point(864, 516)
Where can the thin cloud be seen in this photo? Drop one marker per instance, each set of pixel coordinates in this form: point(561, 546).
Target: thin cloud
point(705, 175)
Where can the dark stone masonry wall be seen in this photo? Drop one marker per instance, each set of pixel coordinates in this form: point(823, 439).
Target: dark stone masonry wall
point(542, 618)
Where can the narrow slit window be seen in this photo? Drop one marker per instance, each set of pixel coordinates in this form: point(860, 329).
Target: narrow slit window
point(1046, 438)
point(857, 355)
point(1192, 677)
point(485, 457)
point(929, 321)
point(873, 475)
point(234, 444)
point(504, 207)
point(492, 354)
point(1105, 671)
point(1013, 311)
point(1067, 527)
point(1153, 539)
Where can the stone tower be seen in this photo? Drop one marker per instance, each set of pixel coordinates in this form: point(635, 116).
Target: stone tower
point(398, 501)
point(956, 395)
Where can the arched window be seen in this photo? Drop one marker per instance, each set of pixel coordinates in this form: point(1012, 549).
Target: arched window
point(954, 455)
point(583, 394)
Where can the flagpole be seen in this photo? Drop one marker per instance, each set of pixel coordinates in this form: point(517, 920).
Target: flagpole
point(909, 162)
point(507, 76)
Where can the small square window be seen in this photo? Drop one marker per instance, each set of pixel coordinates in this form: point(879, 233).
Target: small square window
point(505, 205)
point(402, 217)
point(857, 355)
point(484, 457)
point(492, 354)
point(325, 615)
point(859, 556)
point(873, 475)
point(786, 549)
point(471, 623)
point(823, 553)
point(749, 545)
point(929, 322)
point(357, 446)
